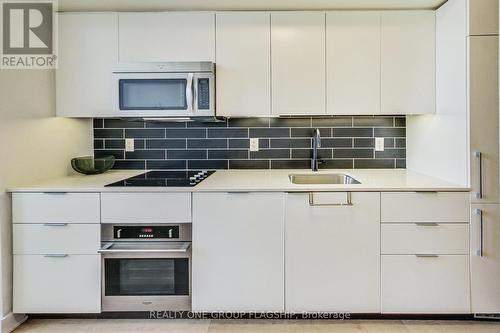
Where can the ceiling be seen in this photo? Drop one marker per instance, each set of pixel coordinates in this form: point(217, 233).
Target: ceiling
point(158, 5)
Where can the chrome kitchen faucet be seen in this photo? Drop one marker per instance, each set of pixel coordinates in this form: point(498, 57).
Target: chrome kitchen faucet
point(316, 145)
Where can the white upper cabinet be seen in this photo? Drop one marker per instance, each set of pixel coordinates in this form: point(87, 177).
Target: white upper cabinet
point(167, 36)
point(278, 63)
point(88, 51)
point(243, 64)
point(408, 62)
point(353, 62)
point(482, 17)
point(298, 63)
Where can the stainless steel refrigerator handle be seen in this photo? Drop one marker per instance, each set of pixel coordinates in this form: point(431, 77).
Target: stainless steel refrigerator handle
point(480, 251)
point(108, 249)
point(347, 203)
point(189, 92)
point(479, 156)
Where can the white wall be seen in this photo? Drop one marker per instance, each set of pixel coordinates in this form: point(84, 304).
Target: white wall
point(33, 145)
point(437, 144)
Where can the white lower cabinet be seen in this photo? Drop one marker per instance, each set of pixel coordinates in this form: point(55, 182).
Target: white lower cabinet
point(414, 207)
point(146, 207)
point(425, 252)
point(238, 252)
point(56, 207)
point(57, 284)
point(56, 238)
point(332, 252)
point(424, 238)
point(485, 258)
point(56, 266)
point(425, 284)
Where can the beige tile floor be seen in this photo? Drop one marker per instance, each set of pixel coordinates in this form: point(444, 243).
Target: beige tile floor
point(254, 326)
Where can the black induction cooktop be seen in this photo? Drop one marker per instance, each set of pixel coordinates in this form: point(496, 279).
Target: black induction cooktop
point(164, 178)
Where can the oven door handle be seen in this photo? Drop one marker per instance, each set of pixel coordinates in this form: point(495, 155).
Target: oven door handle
point(108, 248)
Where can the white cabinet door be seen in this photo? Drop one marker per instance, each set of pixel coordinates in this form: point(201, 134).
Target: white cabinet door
point(408, 81)
point(411, 207)
point(437, 284)
point(298, 63)
point(353, 62)
point(332, 253)
point(482, 17)
point(243, 64)
point(56, 208)
point(238, 255)
point(483, 110)
point(56, 238)
point(485, 269)
point(146, 207)
point(64, 284)
point(167, 36)
point(424, 238)
point(88, 51)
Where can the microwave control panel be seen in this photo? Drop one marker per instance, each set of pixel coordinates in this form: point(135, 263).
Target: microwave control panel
point(203, 94)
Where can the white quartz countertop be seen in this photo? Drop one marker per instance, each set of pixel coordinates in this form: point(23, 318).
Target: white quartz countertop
point(251, 180)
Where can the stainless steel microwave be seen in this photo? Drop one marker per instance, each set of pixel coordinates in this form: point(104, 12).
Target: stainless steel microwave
point(169, 89)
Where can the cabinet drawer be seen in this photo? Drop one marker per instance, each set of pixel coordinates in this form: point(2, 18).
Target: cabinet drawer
point(55, 208)
point(56, 238)
point(70, 284)
point(146, 207)
point(425, 207)
point(424, 238)
point(412, 284)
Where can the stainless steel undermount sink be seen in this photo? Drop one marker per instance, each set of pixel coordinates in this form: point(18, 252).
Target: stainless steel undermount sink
point(322, 178)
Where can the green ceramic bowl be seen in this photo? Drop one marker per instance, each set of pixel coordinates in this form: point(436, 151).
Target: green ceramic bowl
point(88, 165)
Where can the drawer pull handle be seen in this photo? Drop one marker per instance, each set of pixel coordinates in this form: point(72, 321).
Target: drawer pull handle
point(479, 156)
point(426, 256)
point(55, 224)
point(479, 252)
point(147, 302)
point(347, 203)
point(55, 255)
point(426, 224)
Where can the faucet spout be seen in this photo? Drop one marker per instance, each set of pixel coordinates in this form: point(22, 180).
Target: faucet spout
point(316, 145)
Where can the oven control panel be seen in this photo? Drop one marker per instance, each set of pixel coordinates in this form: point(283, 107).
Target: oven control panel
point(145, 232)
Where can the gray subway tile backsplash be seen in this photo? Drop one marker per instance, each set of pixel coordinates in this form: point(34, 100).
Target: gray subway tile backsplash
point(284, 143)
point(249, 164)
point(144, 133)
point(165, 144)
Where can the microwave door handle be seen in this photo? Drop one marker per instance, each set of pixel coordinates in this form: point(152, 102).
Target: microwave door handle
point(195, 94)
point(189, 93)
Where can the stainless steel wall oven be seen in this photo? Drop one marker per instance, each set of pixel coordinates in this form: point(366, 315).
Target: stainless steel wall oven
point(146, 267)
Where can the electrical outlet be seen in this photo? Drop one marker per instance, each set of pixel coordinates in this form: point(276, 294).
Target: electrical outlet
point(379, 144)
point(129, 144)
point(254, 144)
